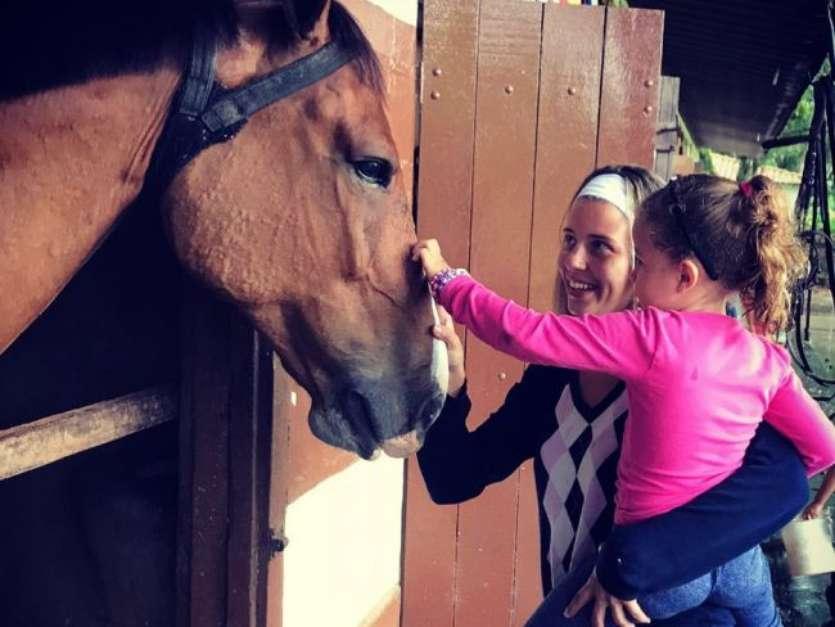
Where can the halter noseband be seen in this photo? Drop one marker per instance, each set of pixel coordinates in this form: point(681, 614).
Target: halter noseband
point(205, 113)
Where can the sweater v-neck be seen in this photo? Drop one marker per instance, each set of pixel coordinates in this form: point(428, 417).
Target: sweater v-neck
point(591, 412)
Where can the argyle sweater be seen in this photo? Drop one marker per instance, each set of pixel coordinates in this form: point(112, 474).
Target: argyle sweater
point(575, 451)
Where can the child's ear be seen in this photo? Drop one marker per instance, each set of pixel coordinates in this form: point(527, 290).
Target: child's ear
point(689, 273)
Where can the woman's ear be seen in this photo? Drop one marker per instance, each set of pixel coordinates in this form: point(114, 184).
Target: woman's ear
point(689, 274)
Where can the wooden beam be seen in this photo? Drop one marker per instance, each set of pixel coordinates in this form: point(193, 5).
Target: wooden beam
point(49, 439)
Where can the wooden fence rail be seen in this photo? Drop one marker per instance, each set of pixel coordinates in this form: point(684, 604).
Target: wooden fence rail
point(49, 439)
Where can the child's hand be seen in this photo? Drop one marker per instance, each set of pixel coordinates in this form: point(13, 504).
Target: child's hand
point(813, 510)
point(428, 253)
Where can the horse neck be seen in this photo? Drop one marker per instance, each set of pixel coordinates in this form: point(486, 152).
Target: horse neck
point(71, 160)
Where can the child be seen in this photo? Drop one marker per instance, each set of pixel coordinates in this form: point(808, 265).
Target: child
point(699, 383)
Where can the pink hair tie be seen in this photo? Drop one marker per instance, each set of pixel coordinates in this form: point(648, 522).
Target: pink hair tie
point(746, 189)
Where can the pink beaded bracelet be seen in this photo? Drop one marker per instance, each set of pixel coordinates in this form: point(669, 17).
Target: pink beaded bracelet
point(437, 282)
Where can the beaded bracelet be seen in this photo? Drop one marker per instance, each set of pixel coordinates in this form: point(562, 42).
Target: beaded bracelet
point(437, 282)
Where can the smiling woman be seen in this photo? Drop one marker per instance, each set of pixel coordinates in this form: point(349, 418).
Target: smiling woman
point(572, 424)
point(596, 257)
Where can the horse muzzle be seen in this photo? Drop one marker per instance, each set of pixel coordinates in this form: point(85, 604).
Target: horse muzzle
point(378, 415)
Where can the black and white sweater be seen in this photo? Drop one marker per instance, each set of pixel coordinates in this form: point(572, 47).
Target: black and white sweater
point(575, 449)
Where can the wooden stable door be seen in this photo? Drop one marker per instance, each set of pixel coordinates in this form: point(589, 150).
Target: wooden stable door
point(520, 101)
point(278, 529)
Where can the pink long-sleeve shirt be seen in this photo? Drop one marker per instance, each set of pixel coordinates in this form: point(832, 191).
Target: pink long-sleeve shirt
point(698, 383)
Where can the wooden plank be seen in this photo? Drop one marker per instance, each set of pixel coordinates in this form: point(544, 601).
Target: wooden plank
point(225, 448)
point(49, 439)
point(630, 90)
point(572, 42)
point(204, 454)
point(507, 96)
point(666, 141)
point(572, 45)
point(444, 196)
point(569, 92)
point(285, 399)
point(250, 431)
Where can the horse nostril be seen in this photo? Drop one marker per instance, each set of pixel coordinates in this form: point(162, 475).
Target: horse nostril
point(358, 412)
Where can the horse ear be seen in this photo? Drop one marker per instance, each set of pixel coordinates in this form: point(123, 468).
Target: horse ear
point(303, 19)
point(312, 19)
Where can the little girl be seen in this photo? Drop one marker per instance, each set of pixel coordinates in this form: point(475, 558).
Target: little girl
point(699, 383)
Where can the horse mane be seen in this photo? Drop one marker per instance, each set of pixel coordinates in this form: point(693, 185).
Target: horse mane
point(54, 43)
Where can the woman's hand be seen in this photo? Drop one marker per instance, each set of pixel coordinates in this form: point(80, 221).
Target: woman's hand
point(592, 590)
point(445, 331)
point(813, 510)
point(428, 253)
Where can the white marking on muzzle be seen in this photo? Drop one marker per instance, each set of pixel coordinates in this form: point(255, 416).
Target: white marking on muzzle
point(440, 359)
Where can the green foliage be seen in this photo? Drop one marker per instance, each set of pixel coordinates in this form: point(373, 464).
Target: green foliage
point(791, 157)
point(747, 168)
point(706, 161)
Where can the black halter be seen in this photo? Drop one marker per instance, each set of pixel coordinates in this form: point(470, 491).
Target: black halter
point(205, 113)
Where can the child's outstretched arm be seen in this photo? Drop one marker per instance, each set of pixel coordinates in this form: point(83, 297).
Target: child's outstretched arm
point(816, 507)
point(620, 343)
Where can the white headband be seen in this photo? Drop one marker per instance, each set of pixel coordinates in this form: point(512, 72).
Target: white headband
point(612, 189)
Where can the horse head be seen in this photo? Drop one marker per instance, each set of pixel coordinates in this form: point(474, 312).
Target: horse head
point(302, 221)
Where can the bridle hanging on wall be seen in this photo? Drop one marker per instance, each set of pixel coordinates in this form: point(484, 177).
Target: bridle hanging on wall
point(812, 210)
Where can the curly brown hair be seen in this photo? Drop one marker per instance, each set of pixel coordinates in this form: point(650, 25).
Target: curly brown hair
point(743, 235)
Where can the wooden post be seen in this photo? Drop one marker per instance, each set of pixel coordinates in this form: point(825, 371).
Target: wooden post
point(225, 437)
point(667, 138)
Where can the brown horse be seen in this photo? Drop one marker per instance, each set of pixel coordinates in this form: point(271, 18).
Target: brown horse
point(300, 218)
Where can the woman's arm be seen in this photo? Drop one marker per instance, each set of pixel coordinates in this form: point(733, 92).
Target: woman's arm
point(457, 464)
point(756, 501)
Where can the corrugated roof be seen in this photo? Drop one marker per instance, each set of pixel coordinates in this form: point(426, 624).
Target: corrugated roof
point(743, 64)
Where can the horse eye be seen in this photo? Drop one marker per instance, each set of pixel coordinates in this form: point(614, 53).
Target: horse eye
point(375, 171)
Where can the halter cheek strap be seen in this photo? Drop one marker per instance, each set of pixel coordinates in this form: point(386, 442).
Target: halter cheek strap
point(205, 113)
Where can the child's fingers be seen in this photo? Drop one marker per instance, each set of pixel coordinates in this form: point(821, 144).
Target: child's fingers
point(418, 248)
point(636, 611)
point(444, 317)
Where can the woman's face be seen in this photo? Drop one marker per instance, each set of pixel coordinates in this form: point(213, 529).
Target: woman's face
point(595, 261)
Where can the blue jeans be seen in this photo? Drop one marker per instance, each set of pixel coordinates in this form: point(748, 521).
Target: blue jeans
point(737, 593)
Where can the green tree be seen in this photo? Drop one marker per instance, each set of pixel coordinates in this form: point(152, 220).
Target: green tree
point(792, 157)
